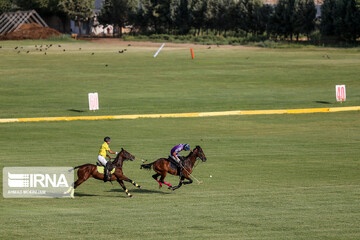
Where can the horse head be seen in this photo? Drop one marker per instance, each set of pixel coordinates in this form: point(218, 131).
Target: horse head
point(199, 153)
point(125, 155)
point(122, 156)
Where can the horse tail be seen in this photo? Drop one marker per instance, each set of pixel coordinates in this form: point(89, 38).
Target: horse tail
point(72, 169)
point(146, 166)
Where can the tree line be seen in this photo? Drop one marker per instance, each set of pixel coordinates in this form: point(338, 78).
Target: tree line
point(288, 19)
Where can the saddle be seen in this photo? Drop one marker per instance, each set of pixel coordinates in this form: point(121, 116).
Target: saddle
point(174, 165)
point(100, 169)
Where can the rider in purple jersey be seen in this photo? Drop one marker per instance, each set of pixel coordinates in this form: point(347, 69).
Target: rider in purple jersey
point(174, 153)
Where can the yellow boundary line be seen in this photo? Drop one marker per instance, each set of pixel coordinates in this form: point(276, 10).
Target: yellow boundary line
point(182, 115)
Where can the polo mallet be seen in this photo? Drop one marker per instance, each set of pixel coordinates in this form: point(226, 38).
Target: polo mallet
point(192, 175)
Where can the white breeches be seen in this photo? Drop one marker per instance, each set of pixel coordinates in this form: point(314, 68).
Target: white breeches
point(175, 158)
point(102, 160)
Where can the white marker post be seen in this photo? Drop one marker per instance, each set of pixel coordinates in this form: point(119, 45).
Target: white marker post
point(159, 50)
point(340, 93)
point(93, 101)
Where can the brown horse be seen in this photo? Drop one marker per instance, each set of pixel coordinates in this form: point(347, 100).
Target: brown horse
point(162, 167)
point(90, 170)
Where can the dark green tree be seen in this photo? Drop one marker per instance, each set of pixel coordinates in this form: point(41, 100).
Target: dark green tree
point(154, 15)
point(282, 21)
point(210, 15)
point(197, 13)
point(250, 16)
point(117, 12)
point(158, 15)
point(265, 14)
point(340, 19)
point(351, 27)
point(180, 15)
point(216, 15)
point(43, 7)
point(304, 18)
point(6, 6)
point(224, 21)
point(254, 16)
point(327, 27)
point(78, 10)
point(140, 19)
point(238, 15)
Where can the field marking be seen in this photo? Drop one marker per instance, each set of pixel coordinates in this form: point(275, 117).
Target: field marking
point(183, 115)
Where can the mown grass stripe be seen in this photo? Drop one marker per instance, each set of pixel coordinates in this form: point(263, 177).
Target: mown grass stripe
point(183, 115)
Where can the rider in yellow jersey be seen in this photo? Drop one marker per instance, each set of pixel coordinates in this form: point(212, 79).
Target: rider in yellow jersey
point(104, 149)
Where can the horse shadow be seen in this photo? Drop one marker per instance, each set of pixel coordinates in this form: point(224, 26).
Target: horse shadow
point(322, 102)
point(118, 190)
point(85, 195)
point(144, 191)
point(75, 110)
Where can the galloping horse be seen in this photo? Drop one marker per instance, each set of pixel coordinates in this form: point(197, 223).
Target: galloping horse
point(90, 170)
point(162, 167)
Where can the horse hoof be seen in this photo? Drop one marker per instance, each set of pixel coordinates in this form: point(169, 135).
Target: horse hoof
point(140, 187)
point(131, 196)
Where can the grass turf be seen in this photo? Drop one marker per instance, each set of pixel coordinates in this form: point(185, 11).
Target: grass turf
point(57, 84)
point(273, 177)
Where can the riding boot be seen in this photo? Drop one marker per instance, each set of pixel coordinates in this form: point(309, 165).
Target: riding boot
point(106, 175)
point(110, 167)
point(181, 174)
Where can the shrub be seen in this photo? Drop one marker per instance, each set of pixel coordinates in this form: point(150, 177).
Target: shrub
point(315, 37)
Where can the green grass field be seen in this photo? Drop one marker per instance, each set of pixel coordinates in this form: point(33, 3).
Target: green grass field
point(273, 176)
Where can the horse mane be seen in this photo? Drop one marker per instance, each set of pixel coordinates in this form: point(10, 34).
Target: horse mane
point(117, 159)
point(187, 158)
point(192, 152)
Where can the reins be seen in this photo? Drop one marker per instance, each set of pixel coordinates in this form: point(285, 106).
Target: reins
point(118, 162)
point(195, 163)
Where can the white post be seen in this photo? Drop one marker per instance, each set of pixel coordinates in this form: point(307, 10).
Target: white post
point(340, 93)
point(159, 50)
point(93, 101)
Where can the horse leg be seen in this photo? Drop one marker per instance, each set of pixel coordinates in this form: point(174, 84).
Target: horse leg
point(133, 183)
point(189, 182)
point(168, 184)
point(180, 183)
point(155, 176)
point(81, 178)
point(72, 188)
point(163, 182)
point(123, 186)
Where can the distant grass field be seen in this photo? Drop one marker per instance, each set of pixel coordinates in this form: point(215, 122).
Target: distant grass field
point(218, 79)
point(273, 176)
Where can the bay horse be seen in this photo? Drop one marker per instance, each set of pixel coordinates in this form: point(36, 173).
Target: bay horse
point(90, 170)
point(162, 168)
